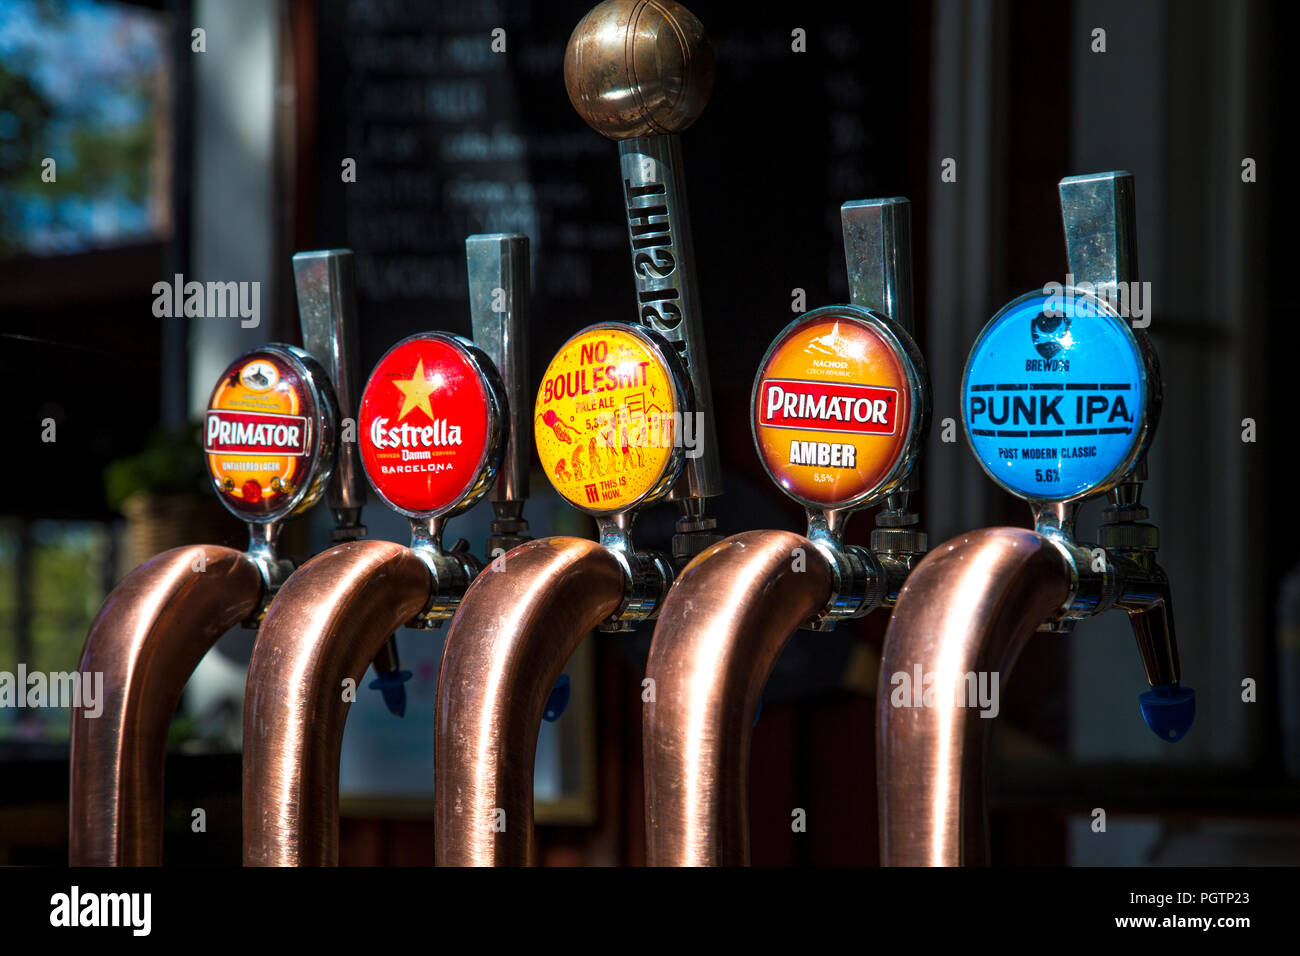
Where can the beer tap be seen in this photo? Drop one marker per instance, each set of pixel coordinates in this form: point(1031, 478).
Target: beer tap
point(640, 73)
point(270, 440)
point(432, 426)
point(497, 264)
point(606, 425)
point(840, 407)
point(1060, 398)
point(326, 287)
point(623, 418)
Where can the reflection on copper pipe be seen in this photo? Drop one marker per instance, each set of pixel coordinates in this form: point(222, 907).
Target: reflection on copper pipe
point(721, 628)
point(147, 639)
point(508, 643)
point(969, 606)
point(326, 625)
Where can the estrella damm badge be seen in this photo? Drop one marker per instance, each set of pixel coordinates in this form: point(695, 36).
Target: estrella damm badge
point(261, 433)
point(608, 418)
point(431, 425)
point(836, 407)
point(1056, 396)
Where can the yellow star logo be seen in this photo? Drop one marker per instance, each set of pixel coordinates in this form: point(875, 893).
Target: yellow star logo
point(415, 392)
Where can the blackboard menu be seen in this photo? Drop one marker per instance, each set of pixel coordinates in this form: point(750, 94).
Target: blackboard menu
point(450, 137)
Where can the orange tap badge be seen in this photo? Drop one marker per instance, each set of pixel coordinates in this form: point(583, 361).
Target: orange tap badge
point(834, 409)
point(607, 420)
point(262, 433)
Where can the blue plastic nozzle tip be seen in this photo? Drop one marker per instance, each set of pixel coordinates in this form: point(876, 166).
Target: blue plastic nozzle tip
point(392, 684)
point(558, 700)
point(1169, 710)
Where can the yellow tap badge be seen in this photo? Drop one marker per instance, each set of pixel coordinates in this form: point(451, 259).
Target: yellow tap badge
point(607, 421)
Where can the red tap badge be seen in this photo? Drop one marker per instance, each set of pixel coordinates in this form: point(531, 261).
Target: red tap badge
point(430, 425)
point(836, 408)
point(262, 434)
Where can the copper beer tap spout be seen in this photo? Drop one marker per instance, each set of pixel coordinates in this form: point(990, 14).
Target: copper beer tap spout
point(516, 628)
point(970, 606)
point(157, 624)
point(161, 620)
point(734, 607)
point(332, 618)
point(967, 608)
point(721, 629)
point(326, 626)
point(523, 617)
point(146, 640)
point(637, 72)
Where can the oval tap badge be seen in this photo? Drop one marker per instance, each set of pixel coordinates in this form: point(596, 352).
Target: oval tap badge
point(608, 418)
point(839, 407)
point(431, 425)
point(1057, 401)
point(269, 433)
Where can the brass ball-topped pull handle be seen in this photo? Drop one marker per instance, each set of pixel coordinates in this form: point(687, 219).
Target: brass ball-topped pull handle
point(638, 68)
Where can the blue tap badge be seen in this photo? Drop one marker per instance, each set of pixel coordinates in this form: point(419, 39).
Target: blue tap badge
point(1055, 396)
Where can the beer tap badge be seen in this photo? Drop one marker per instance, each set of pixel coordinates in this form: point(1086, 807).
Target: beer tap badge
point(608, 420)
point(1056, 397)
point(836, 407)
point(430, 425)
point(262, 433)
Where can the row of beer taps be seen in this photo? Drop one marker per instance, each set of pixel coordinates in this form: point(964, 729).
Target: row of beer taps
point(623, 418)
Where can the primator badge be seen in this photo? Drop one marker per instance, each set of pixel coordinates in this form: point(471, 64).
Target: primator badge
point(608, 418)
point(1056, 399)
point(430, 426)
point(836, 407)
point(263, 433)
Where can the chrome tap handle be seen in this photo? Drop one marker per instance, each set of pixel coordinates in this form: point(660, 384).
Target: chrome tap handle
point(1099, 212)
point(327, 312)
point(638, 73)
point(878, 255)
point(499, 311)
